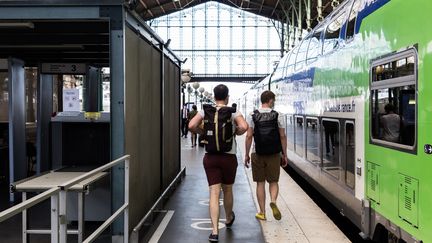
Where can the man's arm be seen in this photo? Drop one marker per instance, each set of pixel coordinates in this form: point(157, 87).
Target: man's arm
point(194, 124)
point(283, 140)
point(248, 142)
point(241, 125)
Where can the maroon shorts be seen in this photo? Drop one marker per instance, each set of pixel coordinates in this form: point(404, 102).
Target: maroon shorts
point(220, 168)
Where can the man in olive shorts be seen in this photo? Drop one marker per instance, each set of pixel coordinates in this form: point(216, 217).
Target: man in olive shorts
point(220, 167)
point(267, 129)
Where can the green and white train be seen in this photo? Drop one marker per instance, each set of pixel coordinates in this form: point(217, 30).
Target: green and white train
point(357, 94)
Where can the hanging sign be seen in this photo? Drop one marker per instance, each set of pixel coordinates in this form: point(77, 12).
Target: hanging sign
point(63, 68)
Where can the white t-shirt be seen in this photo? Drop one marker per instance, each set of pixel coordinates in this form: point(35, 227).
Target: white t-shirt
point(391, 127)
point(233, 117)
point(249, 120)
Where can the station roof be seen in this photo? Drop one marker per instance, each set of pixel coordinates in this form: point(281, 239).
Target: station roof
point(274, 9)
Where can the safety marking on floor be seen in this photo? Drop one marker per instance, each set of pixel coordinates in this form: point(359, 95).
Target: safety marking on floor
point(205, 224)
point(162, 226)
point(206, 202)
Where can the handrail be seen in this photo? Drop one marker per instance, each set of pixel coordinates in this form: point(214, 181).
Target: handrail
point(69, 184)
point(58, 194)
point(105, 225)
point(142, 221)
point(124, 208)
point(10, 212)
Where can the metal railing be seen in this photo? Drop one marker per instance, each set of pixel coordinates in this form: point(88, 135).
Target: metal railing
point(58, 196)
point(135, 232)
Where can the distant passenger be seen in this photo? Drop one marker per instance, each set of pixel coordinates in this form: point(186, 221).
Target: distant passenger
point(191, 115)
point(267, 128)
point(390, 123)
point(330, 131)
point(184, 121)
point(221, 123)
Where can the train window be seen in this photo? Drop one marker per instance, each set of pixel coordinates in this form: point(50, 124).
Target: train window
point(292, 59)
point(315, 46)
point(393, 100)
point(299, 138)
point(312, 141)
point(301, 55)
point(350, 155)
point(278, 74)
point(330, 147)
point(290, 132)
point(400, 67)
point(331, 37)
point(393, 114)
point(352, 19)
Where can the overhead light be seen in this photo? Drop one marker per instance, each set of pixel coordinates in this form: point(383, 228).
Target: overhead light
point(29, 25)
point(68, 46)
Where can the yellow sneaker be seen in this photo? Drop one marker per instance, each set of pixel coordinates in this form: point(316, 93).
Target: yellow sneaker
point(276, 213)
point(260, 216)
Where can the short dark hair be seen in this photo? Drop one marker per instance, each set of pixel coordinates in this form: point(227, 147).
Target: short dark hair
point(234, 105)
point(389, 107)
point(220, 92)
point(194, 107)
point(266, 96)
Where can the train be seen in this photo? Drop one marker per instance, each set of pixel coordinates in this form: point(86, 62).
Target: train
point(355, 95)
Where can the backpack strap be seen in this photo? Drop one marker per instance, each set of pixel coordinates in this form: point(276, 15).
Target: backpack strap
point(277, 117)
point(254, 115)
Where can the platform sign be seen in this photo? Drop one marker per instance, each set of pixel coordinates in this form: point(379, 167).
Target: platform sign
point(63, 68)
point(4, 64)
point(71, 100)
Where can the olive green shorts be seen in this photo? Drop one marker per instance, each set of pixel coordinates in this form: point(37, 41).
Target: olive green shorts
point(266, 167)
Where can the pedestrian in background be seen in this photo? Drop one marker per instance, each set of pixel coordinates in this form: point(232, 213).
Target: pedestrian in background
point(184, 121)
point(191, 115)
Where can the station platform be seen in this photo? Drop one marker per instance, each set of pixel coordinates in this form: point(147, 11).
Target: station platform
point(187, 218)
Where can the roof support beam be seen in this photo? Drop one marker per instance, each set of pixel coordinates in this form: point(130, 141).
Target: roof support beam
point(163, 10)
point(262, 4)
point(146, 8)
point(274, 9)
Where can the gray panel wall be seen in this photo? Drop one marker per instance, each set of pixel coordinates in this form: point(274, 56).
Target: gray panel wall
point(171, 142)
point(142, 123)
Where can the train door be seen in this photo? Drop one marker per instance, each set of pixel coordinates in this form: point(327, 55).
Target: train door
point(331, 147)
point(349, 162)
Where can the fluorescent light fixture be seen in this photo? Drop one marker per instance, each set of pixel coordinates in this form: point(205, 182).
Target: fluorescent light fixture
point(68, 46)
point(11, 25)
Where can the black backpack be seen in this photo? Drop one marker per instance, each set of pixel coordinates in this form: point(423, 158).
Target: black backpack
point(266, 133)
point(218, 129)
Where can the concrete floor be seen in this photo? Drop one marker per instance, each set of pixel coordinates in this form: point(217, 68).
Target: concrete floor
point(189, 205)
point(302, 220)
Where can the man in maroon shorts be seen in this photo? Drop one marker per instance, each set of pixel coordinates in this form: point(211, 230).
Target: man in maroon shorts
point(221, 123)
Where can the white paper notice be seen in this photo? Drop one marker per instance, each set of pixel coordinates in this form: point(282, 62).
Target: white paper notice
point(71, 100)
